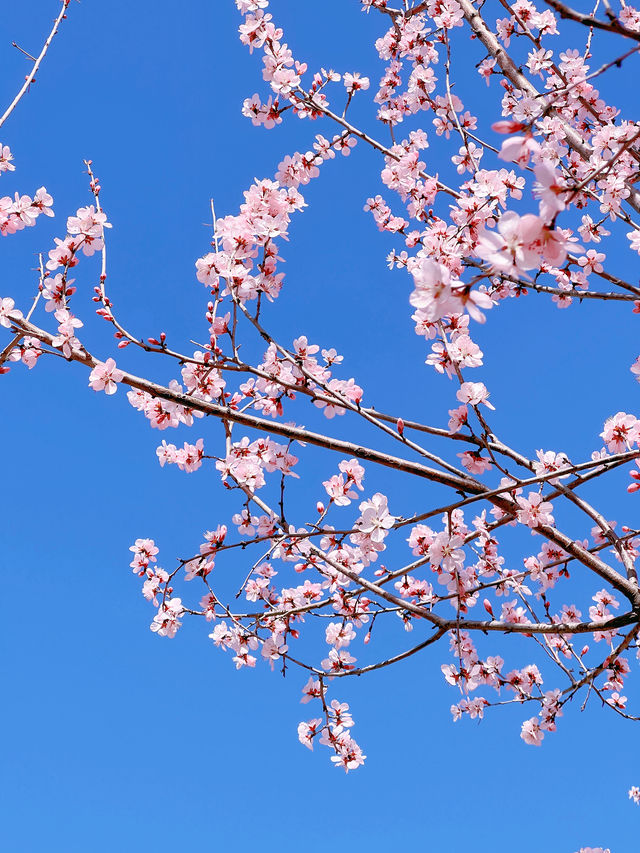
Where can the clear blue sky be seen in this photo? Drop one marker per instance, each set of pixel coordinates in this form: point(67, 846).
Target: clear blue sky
point(114, 739)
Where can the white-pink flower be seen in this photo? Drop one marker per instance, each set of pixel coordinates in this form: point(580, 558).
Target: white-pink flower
point(620, 432)
point(531, 732)
point(105, 377)
point(474, 393)
point(8, 312)
point(518, 149)
point(433, 289)
point(166, 621)
point(511, 249)
point(549, 188)
point(307, 732)
point(534, 511)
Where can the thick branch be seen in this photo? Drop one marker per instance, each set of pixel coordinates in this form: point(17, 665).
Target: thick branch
point(293, 433)
point(610, 26)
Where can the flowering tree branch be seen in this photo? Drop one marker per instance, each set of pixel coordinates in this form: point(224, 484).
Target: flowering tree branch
point(465, 245)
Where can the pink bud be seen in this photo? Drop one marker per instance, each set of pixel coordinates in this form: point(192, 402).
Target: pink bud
point(400, 426)
point(507, 126)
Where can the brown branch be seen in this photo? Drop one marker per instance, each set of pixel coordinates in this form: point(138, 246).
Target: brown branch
point(611, 26)
point(293, 433)
point(36, 65)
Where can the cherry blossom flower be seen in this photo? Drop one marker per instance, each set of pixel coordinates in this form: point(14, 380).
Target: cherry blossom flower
point(307, 732)
point(42, 202)
point(66, 338)
point(167, 621)
point(354, 82)
point(8, 312)
point(548, 188)
point(312, 690)
point(531, 732)
point(534, 511)
point(105, 377)
point(518, 149)
point(375, 520)
point(5, 159)
point(349, 755)
point(339, 634)
point(474, 393)
point(145, 551)
point(338, 661)
point(511, 250)
point(620, 432)
point(474, 462)
point(549, 461)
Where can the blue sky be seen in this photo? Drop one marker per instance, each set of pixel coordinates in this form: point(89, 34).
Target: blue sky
point(116, 739)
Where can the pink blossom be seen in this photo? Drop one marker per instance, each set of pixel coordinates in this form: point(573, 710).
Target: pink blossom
point(433, 293)
point(534, 511)
point(8, 312)
point(617, 701)
point(592, 261)
point(513, 613)
point(167, 620)
point(105, 377)
point(531, 732)
point(474, 462)
point(42, 202)
point(457, 419)
point(446, 552)
point(5, 159)
point(620, 432)
point(354, 82)
point(375, 519)
point(518, 149)
point(307, 732)
point(511, 249)
point(340, 717)
point(145, 551)
point(312, 690)
point(338, 661)
point(485, 69)
point(339, 634)
point(474, 393)
point(349, 755)
point(549, 187)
